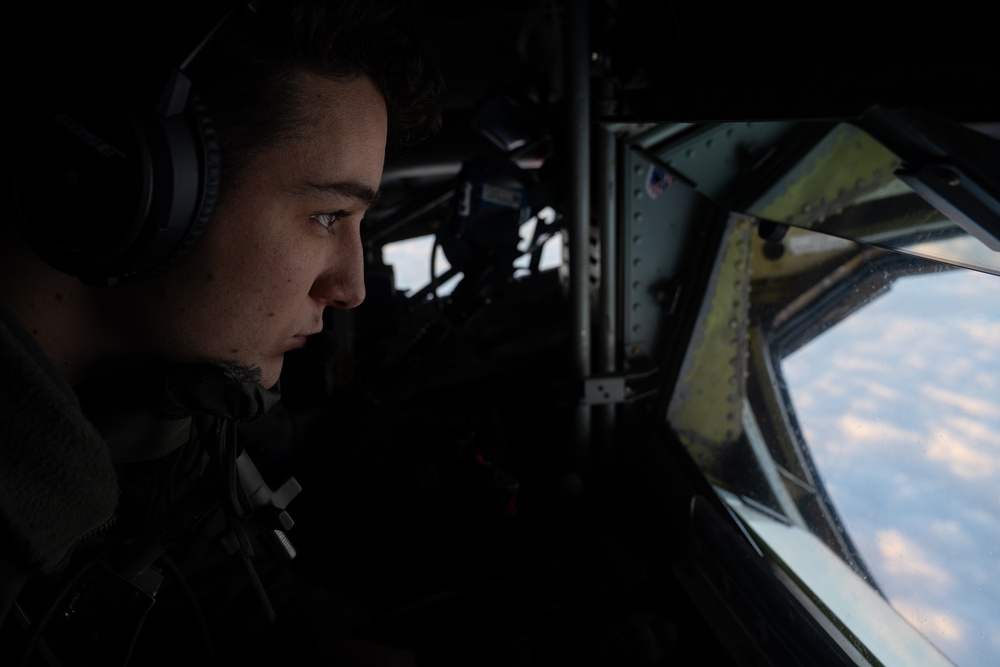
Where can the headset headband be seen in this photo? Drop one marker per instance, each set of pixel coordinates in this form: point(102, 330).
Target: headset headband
point(113, 179)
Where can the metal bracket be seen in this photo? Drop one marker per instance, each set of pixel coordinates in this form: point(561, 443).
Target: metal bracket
point(604, 390)
point(612, 389)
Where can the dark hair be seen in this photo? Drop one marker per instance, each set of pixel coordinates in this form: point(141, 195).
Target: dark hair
point(244, 74)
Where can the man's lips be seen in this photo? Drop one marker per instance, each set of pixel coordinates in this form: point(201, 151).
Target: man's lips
point(316, 348)
point(301, 339)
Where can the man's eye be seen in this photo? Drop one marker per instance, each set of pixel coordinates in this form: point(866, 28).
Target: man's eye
point(326, 219)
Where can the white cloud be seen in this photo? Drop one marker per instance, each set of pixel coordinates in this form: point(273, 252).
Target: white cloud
point(865, 404)
point(985, 334)
point(876, 431)
point(916, 360)
point(952, 533)
point(975, 429)
point(805, 400)
point(881, 391)
point(988, 381)
point(963, 460)
point(936, 625)
point(859, 364)
point(829, 383)
point(980, 407)
point(908, 329)
point(902, 558)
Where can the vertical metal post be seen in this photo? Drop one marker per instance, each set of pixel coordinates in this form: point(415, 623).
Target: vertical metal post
point(607, 340)
point(607, 217)
point(578, 69)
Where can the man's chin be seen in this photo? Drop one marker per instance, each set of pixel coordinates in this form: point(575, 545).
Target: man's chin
point(270, 373)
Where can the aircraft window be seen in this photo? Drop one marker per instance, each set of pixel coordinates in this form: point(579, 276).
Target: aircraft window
point(532, 236)
point(897, 405)
point(411, 262)
point(843, 399)
point(540, 243)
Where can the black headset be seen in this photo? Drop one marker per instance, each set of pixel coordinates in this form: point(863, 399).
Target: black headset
point(115, 178)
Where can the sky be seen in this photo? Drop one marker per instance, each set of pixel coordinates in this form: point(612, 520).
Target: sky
point(900, 406)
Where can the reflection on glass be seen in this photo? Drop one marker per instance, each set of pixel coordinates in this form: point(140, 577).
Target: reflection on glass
point(845, 400)
point(845, 185)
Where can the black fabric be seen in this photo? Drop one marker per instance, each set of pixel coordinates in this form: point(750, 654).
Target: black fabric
point(229, 391)
point(60, 483)
point(208, 600)
point(57, 481)
point(180, 391)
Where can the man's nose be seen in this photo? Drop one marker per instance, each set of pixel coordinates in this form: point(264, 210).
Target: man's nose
point(342, 283)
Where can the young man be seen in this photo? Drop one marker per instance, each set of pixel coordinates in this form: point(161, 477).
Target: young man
point(296, 101)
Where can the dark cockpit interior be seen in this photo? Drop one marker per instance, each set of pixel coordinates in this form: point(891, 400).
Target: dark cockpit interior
point(568, 425)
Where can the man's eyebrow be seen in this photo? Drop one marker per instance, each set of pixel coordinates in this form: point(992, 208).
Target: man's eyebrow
point(363, 193)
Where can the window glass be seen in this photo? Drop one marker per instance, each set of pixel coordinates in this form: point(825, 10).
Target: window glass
point(540, 246)
point(844, 399)
point(411, 263)
point(898, 404)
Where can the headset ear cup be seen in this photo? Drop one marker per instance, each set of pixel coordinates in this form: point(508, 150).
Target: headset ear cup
point(211, 176)
point(185, 165)
point(111, 186)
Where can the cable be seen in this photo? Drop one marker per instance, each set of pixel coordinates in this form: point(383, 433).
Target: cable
point(162, 485)
point(177, 576)
point(261, 592)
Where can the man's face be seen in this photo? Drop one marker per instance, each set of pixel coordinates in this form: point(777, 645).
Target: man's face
point(283, 244)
